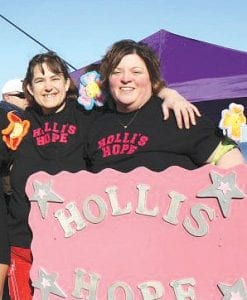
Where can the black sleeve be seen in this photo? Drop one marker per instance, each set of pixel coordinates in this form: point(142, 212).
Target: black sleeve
point(5, 153)
point(4, 158)
point(203, 139)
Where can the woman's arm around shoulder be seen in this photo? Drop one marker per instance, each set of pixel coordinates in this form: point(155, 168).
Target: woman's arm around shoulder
point(185, 112)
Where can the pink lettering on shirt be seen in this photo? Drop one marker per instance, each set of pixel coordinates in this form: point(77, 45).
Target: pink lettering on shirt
point(53, 132)
point(121, 143)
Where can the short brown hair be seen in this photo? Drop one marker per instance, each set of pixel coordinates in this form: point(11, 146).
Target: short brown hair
point(57, 65)
point(125, 47)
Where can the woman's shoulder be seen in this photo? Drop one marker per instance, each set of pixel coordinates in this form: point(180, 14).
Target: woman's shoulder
point(8, 115)
point(154, 103)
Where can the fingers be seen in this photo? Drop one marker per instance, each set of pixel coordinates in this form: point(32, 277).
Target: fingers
point(186, 115)
point(165, 111)
point(185, 112)
point(190, 117)
point(178, 115)
point(195, 110)
point(186, 118)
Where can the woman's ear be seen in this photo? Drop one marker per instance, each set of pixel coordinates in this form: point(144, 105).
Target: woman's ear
point(67, 85)
point(29, 89)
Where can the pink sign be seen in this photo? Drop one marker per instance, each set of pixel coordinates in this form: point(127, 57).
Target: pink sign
point(175, 234)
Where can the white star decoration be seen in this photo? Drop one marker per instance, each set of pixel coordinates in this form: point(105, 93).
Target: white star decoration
point(224, 189)
point(46, 283)
point(237, 291)
point(43, 194)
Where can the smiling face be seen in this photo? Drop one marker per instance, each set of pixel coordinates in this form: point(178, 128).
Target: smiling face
point(48, 89)
point(130, 83)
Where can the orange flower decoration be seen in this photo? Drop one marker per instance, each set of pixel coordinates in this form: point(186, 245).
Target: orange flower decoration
point(16, 130)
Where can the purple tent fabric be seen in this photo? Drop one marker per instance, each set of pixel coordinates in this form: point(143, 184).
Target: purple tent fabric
point(198, 70)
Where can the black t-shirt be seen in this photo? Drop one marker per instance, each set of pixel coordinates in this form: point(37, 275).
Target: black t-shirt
point(54, 143)
point(148, 141)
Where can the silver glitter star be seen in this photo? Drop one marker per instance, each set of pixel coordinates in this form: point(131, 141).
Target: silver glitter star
point(224, 188)
point(237, 291)
point(46, 283)
point(43, 194)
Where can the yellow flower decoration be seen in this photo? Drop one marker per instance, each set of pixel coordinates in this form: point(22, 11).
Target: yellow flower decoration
point(90, 93)
point(232, 119)
point(92, 89)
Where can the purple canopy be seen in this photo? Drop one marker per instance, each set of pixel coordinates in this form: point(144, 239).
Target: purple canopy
point(200, 71)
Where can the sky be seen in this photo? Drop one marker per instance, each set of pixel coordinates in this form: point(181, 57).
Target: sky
point(80, 31)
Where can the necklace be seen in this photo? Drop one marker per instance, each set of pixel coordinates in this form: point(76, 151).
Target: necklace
point(125, 126)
